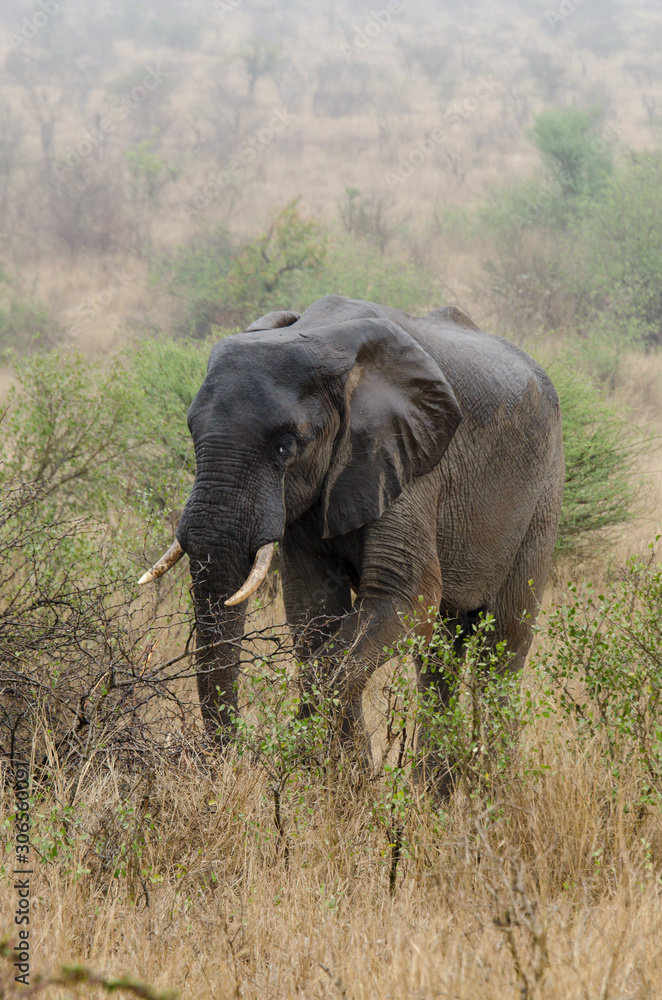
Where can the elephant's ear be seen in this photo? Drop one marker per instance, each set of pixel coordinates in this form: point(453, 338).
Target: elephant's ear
point(398, 416)
point(274, 320)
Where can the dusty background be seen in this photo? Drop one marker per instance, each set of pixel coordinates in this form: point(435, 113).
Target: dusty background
point(353, 104)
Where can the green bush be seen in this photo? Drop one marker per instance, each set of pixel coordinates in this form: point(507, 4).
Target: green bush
point(599, 278)
point(24, 326)
point(603, 654)
point(69, 426)
point(537, 275)
point(95, 464)
point(601, 447)
point(266, 270)
point(194, 273)
point(106, 442)
point(615, 255)
point(227, 284)
point(474, 732)
point(355, 269)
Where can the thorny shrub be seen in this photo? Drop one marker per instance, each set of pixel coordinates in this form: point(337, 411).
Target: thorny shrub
point(603, 657)
point(76, 655)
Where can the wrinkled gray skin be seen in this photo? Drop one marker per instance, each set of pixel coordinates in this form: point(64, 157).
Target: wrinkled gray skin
point(393, 456)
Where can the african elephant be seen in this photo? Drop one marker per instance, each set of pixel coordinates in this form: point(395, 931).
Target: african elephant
point(392, 456)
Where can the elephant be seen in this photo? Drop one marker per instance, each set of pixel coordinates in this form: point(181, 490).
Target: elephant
point(399, 462)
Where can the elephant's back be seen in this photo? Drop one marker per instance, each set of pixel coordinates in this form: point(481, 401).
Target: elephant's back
point(487, 373)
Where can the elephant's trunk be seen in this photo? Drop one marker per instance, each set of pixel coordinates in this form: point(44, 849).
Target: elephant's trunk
point(218, 634)
point(219, 631)
point(228, 529)
point(224, 576)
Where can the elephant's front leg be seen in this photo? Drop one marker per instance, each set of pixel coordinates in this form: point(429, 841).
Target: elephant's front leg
point(400, 590)
point(317, 596)
point(355, 647)
point(318, 603)
point(363, 641)
point(344, 644)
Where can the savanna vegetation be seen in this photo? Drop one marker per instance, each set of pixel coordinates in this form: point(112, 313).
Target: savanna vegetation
point(280, 869)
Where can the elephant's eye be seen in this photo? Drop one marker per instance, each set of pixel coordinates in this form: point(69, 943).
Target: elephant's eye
point(287, 447)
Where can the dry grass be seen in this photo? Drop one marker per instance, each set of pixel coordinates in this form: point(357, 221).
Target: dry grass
point(172, 870)
point(551, 893)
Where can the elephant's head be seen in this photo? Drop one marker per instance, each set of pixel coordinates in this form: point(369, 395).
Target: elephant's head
point(341, 417)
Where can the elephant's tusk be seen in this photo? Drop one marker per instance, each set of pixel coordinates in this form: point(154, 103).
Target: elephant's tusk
point(166, 562)
point(256, 576)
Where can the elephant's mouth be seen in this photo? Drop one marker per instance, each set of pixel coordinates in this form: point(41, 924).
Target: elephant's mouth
point(254, 579)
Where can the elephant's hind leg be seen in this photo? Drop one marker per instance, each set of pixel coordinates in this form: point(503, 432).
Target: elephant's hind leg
point(448, 733)
point(515, 608)
point(516, 604)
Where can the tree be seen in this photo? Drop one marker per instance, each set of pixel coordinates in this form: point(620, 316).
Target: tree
point(260, 273)
point(259, 59)
point(578, 160)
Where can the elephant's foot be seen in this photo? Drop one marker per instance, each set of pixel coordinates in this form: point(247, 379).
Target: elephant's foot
point(436, 776)
point(347, 735)
point(221, 733)
point(354, 737)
